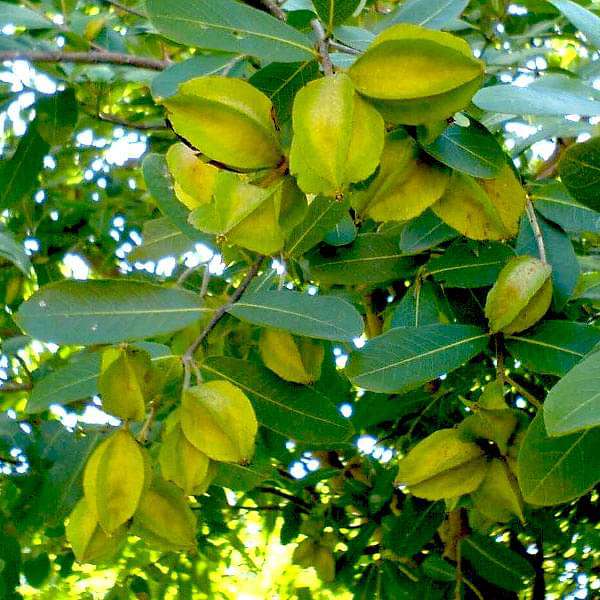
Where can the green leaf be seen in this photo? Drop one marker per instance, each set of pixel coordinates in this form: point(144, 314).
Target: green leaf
point(425, 232)
point(554, 202)
point(437, 568)
point(165, 84)
point(407, 357)
point(372, 258)
point(343, 233)
point(335, 12)
point(229, 26)
point(281, 81)
point(20, 16)
point(322, 317)
point(296, 412)
point(554, 470)
point(160, 185)
point(14, 252)
point(421, 305)
point(554, 347)
point(107, 311)
point(161, 238)
point(241, 477)
point(583, 19)
point(19, 174)
point(580, 171)
point(559, 253)
point(497, 563)
point(56, 116)
point(464, 265)
point(472, 150)
point(573, 403)
point(433, 14)
point(322, 215)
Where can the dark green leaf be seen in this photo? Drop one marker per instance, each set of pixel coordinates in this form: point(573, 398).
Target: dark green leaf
point(437, 568)
point(372, 409)
point(161, 238)
point(322, 317)
point(229, 26)
point(242, 477)
point(420, 306)
point(296, 412)
point(580, 172)
point(14, 252)
point(406, 357)
point(343, 233)
point(56, 116)
point(107, 311)
point(554, 347)
point(335, 12)
point(425, 232)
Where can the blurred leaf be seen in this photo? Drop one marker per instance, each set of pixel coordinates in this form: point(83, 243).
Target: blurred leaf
point(433, 14)
point(583, 19)
point(14, 252)
point(161, 238)
point(19, 16)
point(580, 172)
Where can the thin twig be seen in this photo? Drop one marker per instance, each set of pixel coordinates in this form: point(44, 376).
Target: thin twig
point(10, 461)
point(343, 48)
point(130, 124)
point(15, 387)
point(145, 430)
point(290, 497)
point(220, 312)
point(472, 587)
point(537, 232)
point(322, 46)
point(275, 9)
point(113, 58)
point(189, 272)
point(126, 9)
point(526, 394)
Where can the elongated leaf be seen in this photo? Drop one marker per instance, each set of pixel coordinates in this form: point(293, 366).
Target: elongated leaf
point(14, 252)
point(553, 470)
point(424, 232)
point(433, 14)
point(297, 412)
point(372, 258)
point(18, 175)
point(241, 477)
point(406, 357)
point(107, 311)
point(467, 266)
point(497, 563)
point(421, 305)
point(580, 172)
point(229, 26)
point(335, 12)
point(573, 403)
point(554, 347)
point(586, 21)
point(323, 214)
point(161, 238)
point(10, 14)
point(322, 317)
point(472, 150)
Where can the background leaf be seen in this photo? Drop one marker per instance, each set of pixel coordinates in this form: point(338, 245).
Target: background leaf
point(433, 14)
point(580, 172)
point(583, 19)
point(335, 12)
point(14, 252)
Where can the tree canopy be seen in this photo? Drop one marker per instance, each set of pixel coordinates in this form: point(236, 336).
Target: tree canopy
point(300, 299)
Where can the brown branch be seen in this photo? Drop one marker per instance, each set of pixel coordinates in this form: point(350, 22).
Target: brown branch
point(113, 58)
point(275, 9)
point(290, 497)
point(188, 357)
point(322, 46)
point(526, 394)
point(15, 387)
point(127, 9)
point(130, 124)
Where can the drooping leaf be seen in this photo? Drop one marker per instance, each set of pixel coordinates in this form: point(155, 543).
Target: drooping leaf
point(56, 116)
point(231, 27)
point(322, 317)
point(580, 171)
point(406, 357)
point(554, 470)
point(583, 19)
point(107, 311)
point(299, 413)
point(161, 238)
point(554, 347)
point(573, 403)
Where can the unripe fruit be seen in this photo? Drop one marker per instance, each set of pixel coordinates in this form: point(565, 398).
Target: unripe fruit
point(311, 554)
point(521, 295)
point(218, 419)
point(113, 479)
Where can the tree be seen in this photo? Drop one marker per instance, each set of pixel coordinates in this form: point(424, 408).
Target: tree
point(300, 298)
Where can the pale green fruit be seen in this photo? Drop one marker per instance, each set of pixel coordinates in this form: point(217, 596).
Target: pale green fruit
point(218, 419)
point(164, 519)
point(122, 382)
point(494, 425)
point(492, 397)
point(338, 137)
point(521, 295)
point(293, 359)
point(113, 479)
point(226, 119)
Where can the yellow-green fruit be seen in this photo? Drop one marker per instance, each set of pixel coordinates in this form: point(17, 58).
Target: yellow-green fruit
point(218, 419)
point(498, 497)
point(182, 463)
point(226, 119)
point(90, 543)
point(453, 74)
point(293, 359)
point(494, 425)
point(338, 137)
point(194, 179)
point(521, 295)
point(404, 186)
point(164, 519)
point(443, 465)
point(113, 479)
point(311, 554)
point(303, 553)
point(121, 382)
point(492, 397)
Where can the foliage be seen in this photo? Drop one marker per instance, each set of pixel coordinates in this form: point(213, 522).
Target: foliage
point(299, 299)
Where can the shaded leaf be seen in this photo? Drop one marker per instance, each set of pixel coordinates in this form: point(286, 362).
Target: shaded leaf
point(14, 252)
point(424, 232)
point(580, 171)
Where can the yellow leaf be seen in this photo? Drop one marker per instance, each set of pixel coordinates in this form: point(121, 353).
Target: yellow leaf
point(218, 419)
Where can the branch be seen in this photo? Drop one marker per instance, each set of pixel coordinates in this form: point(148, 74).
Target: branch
point(15, 387)
point(525, 393)
point(343, 48)
point(114, 58)
point(147, 426)
point(127, 9)
point(537, 232)
point(290, 497)
point(275, 9)
point(188, 357)
point(322, 46)
point(129, 124)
